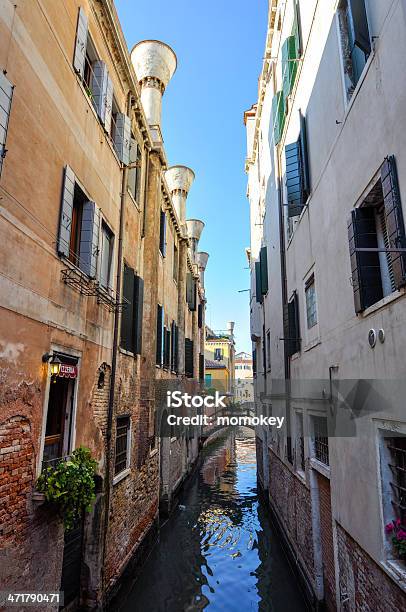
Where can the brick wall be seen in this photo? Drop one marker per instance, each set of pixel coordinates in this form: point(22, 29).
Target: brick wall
point(367, 586)
point(326, 528)
point(290, 498)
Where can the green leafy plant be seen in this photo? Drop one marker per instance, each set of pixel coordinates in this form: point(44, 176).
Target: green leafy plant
point(70, 485)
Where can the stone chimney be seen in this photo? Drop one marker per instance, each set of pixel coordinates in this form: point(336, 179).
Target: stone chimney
point(179, 180)
point(201, 260)
point(154, 64)
point(230, 328)
point(194, 231)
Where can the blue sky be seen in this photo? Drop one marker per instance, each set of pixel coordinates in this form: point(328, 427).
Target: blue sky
point(219, 45)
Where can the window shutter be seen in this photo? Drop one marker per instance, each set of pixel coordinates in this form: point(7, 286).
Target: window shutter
point(160, 337)
point(6, 96)
point(168, 348)
point(304, 160)
point(278, 116)
point(200, 316)
point(359, 25)
point(122, 138)
point(173, 337)
point(394, 218)
point(254, 362)
point(65, 222)
point(162, 233)
point(258, 288)
point(193, 294)
point(176, 347)
point(263, 259)
point(138, 314)
point(89, 239)
point(293, 179)
point(189, 358)
point(127, 315)
point(108, 105)
point(366, 281)
point(297, 29)
point(81, 43)
point(293, 339)
point(99, 86)
point(289, 65)
point(201, 367)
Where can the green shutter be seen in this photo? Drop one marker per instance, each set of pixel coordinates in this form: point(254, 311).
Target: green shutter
point(127, 315)
point(138, 313)
point(289, 64)
point(278, 116)
point(258, 288)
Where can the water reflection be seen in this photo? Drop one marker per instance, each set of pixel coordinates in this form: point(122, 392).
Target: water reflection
point(217, 552)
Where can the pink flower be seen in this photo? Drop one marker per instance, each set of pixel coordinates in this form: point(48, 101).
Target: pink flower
point(389, 528)
point(398, 522)
point(401, 535)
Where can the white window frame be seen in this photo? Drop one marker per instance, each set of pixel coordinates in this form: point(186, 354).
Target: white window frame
point(126, 471)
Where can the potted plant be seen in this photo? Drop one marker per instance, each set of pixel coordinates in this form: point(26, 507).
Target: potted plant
point(70, 485)
point(397, 531)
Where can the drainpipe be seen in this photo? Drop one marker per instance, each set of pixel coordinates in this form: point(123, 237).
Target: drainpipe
point(110, 412)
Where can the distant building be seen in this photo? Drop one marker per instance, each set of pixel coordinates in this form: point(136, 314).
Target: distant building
point(220, 358)
point(243, 386)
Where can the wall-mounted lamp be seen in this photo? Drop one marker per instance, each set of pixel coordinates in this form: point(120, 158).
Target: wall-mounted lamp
point(54, 362)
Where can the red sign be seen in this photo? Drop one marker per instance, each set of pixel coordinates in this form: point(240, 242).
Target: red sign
point(68, 371)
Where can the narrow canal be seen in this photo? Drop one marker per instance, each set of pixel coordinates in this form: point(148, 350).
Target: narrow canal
point(218, 550)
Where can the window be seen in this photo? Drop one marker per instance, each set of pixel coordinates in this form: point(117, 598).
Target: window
point(300, 455)
point(106, 252)
point(134, 173)
point(114, 115)
point(162, 233)
point(174, 347)
point(207, 380)
point(320, 439)
point(123, 445)
point(167, 348)
point(355, 40)
point(160, 335)
point(131, 316)
point(311, 311)
point(375, 227)
point(292, 326)
point(191, 290)
point(200, 313)
point(218, 354)
point(397, 450)
point(175, 262)
point(201, 367)
point(297, 172)
point(254, 362)
point(79, 224)
point(268, 350)
point(6, 96)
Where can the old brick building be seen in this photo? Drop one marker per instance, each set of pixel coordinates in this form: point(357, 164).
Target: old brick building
point(99, 272)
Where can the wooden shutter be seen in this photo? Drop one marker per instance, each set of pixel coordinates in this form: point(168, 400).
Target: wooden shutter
point(304, 160)
point(365, 267)
point(89, 239)
point(6, 96)
point(201, 367)
point(122, 138)
point(254, 362)
point(293, 339)
point(189, 288)
point(162, 233)
point(297, 29)
point(173, 338)
point(138, 313)
point(289, 65)
point(189, 358)
point(258, 288)
point(81, 43)
point(99, 86)
point(159, 334)
point(278, 116)
point(65, 221)
point(263, 259)
point(193, 295)
point(394, 219)
point(175, 341)
point(127, 315)
point(293, 179)
point(200, 316)
point(108, 104)
point(359, 25)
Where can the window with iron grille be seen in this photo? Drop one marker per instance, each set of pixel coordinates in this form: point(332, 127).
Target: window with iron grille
point(300, 455)
point(122, 457)
point(311, 309)
point(320, 440)
point(397, 464)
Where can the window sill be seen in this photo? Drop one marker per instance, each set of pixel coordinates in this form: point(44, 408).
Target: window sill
point(153, 453)
point(125, 352)
point(134, 201)
point(382, 303)
point(396, 570)
point(311, 345)
point(121, 476)
point(320, 467)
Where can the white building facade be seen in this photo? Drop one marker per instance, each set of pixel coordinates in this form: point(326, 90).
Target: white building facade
point(326, 165)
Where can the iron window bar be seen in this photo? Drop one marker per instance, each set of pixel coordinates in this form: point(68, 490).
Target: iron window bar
point(378, 250)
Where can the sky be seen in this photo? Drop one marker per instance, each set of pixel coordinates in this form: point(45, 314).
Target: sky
point(219, 45)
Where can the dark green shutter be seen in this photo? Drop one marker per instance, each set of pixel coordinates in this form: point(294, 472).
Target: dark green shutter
point(365, 267)
point(189, 358)
point(138, 314)
point(394, 219)
point(293, 179)
point(263, 259)
point(258, 288)
point(127, 315)
point(293, 339)
point(201, 367)
point(159, 334)
point(289, 65)
point(200, 316)
point(176, 348)
point(254, 362)
point(304, 160)
point(359, 25)
point(162, 233)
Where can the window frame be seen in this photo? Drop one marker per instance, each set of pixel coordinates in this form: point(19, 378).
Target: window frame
point(106, 229)
point(126, 470)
